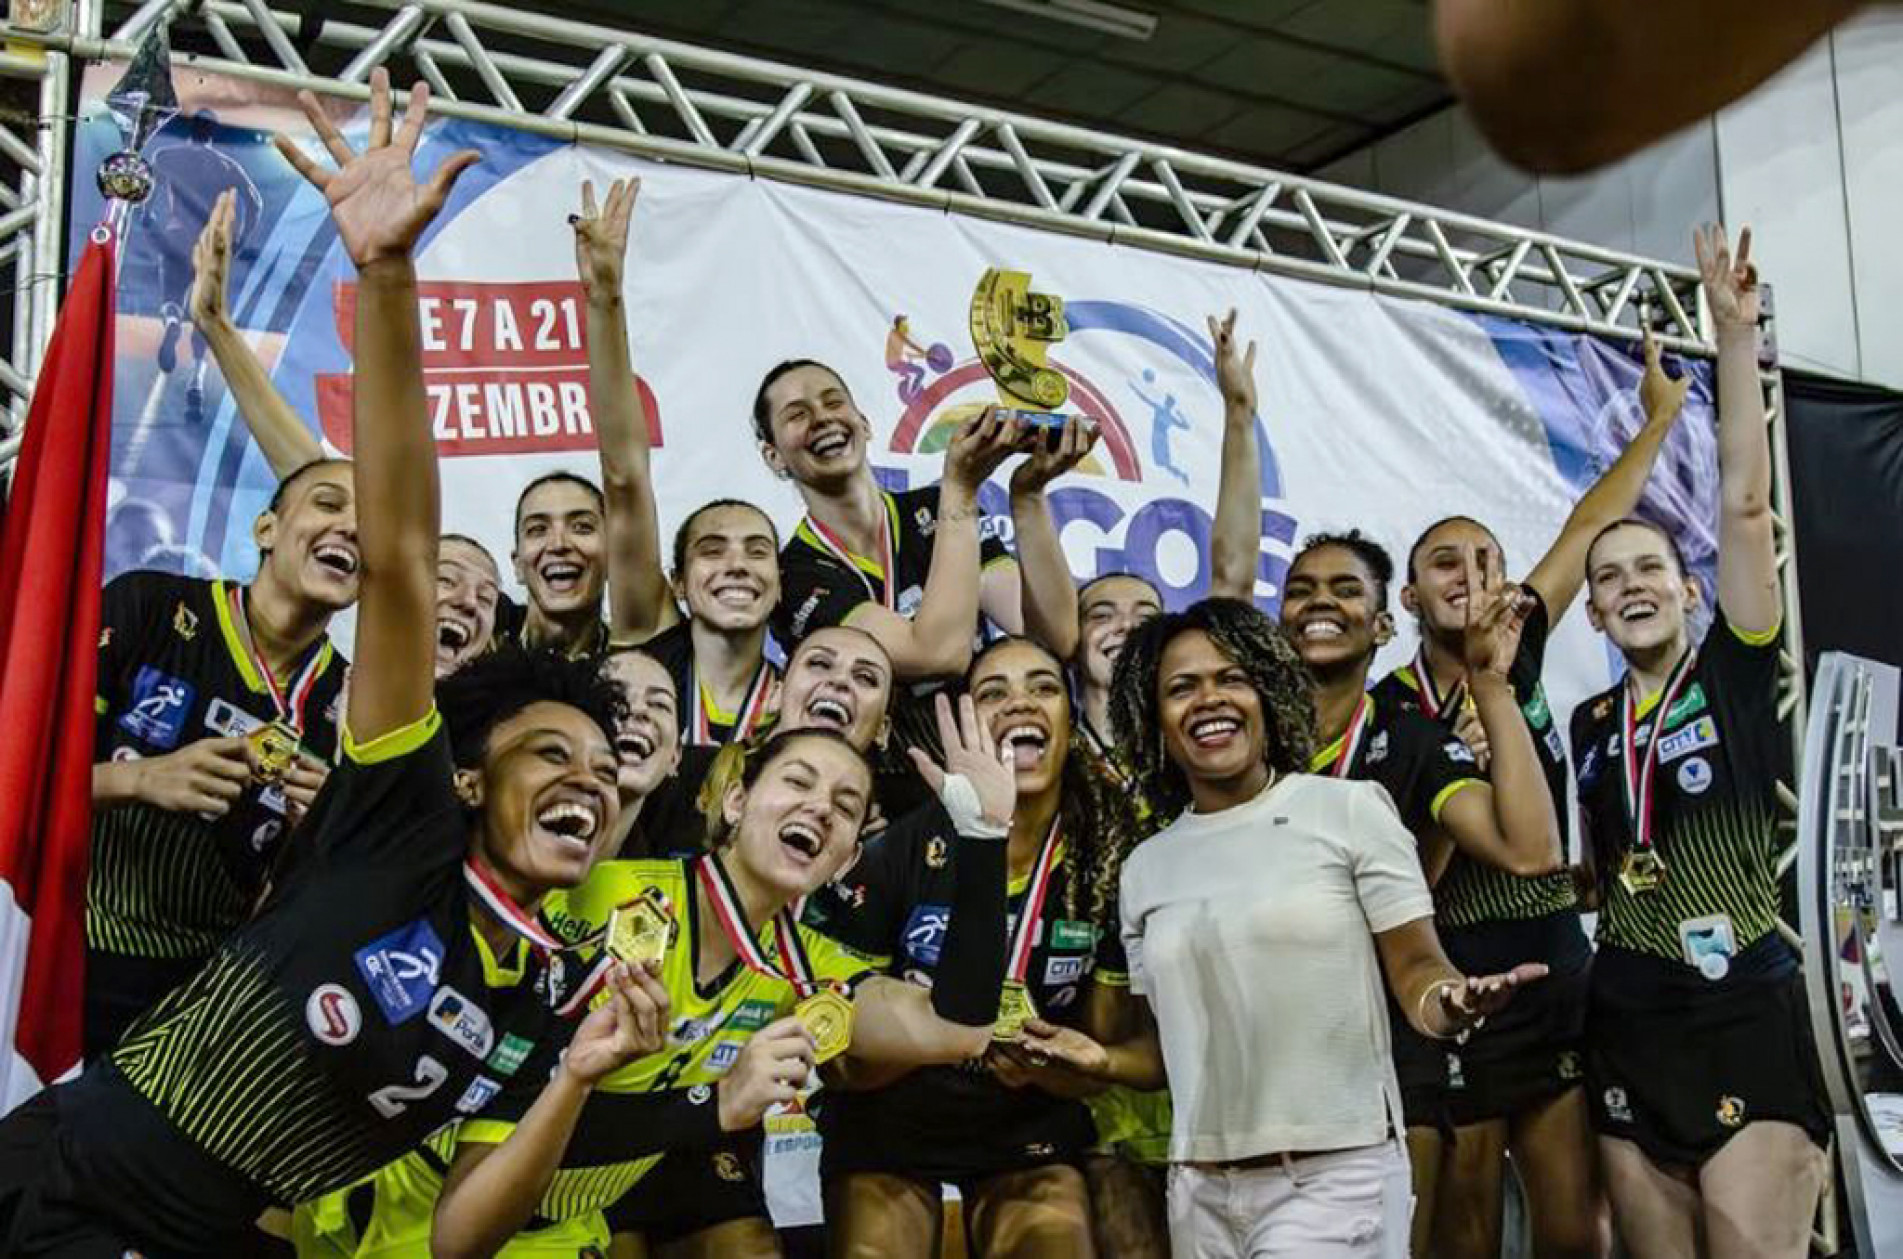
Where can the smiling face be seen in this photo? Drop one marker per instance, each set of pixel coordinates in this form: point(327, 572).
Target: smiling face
point(1212, 720)
point(1437, 594)
point(1636, 591)
point(1018, 690)
point(466, 593)
point(1330, 609)
point(798, 824)
point(647, 744)
point(819, 435)
point(558, 542)
point(309, 542)
point(730, 570)
point(837, 679)
point(546, 791)
point(1108, 609)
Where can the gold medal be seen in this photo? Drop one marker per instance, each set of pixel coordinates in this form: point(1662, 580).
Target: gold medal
point(1014, 1011)
point(275, 746)
point(639, 931)
point(1642, 872)
point(827, 1017)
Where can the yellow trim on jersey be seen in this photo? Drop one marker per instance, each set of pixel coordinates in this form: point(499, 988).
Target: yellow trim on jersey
point(715, 713)
point(1759, 638)
point(234, 645)
point(500, 974)
point(1447, 793)
point(1019, 883)
point(1406, 674)
point(994, 561)
point(392, 744)
point(100, 706)
point(804, 533)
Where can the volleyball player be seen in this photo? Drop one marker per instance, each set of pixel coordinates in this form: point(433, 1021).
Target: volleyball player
point(383, 990)
point(1703, 1076)
point(1518, 1083)
point(1334, 611)
point(1285, 1106)
point(468, 589)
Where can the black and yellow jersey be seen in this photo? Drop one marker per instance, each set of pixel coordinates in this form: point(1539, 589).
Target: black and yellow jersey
point(174, 669)
point(1722, 750)
point(703, 722)
point(1420, 764)
point(1473, 891)
point(356, 1015)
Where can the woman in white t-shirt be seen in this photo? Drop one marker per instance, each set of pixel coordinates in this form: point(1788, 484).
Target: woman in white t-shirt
point(1259, 925)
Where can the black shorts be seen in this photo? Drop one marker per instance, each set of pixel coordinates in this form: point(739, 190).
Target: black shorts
point(951, 1135)
point(690, 1190)
point(1420, 1066)
point(1678, 1064)
point(1534, 1049)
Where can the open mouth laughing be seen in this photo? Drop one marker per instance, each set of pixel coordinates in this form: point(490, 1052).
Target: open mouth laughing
point(572, 820)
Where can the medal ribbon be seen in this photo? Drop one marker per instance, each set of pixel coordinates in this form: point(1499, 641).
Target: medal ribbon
point(1024, 938)
point(510, 914)
point(888, 547)
point(1433, 703)
point(752, 709)
point(715, 881)
point(290, 707)
point(1351, 738)
point(1641, 771)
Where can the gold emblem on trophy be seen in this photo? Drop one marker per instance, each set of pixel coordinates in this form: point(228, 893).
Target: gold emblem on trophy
point(640, 931)
point(827, 1017)
point(1012, 329)
point(274, 749)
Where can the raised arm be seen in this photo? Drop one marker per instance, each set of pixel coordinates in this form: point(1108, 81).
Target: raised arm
point(1049, 593)
point(936, 641)
point(277, 428)
point(1235, 543)
point(380, 211)
point(640, 604)
point(1562, 570)
point(1747, 553)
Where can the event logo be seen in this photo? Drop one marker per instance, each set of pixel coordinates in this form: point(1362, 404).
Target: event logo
point(505, 367)
point(1148, 382)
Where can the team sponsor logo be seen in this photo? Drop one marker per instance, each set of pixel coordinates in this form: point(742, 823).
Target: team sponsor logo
point(1066, 934)
point(1065, 970)
point(1378, 748)
point(1694, 776)
point(1456, 1075)
point(402, 969)
point(481, 1091)
point(1589, 765)
point(1692, 701)
point(160, 705)
point(265, 835)
point(1702, 733)
point(927, 522)
point(1618, 1108)
point(925, 933)
point(1458, 752)
point(1554, 748)
point(725, 1054)
point(509, 1055)
point(462, 1020)
point(105, 638)
point(805, 611)
point(1535, 710)
point(690, 1031)
point(750, 1016)
point(1731, 1111)
point(224, 717)
point(937, 853)
point(699, 1095)
point(332, 1014)
point(184, 622)
point(1063, 998)
point(727, 1167)
point(1602, 707)
point(909, 599)
point(1568, 1065)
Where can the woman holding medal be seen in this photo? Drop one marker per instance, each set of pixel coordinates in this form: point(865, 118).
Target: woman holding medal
point(756, 1007)
point(1703, 1076)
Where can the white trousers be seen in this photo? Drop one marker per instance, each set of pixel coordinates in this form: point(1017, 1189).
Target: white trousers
point(1348, 1204)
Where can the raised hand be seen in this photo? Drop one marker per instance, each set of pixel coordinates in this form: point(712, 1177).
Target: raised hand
point(601, 236)
point(1496, 613)
point(379, 208)
point(629, 1025)
point(1056, 452)
point(1235, 377)
point(1731, 282)
point(972, 754)
point(981, 445)
point(211, 262)
point(1660, 396)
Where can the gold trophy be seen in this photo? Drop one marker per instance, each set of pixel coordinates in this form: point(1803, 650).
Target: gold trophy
point(639, 931)
point(1012, 329)
point(275, 749)
point(827, 1017)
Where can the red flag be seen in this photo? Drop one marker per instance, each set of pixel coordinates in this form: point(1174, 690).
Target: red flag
point(50, 552)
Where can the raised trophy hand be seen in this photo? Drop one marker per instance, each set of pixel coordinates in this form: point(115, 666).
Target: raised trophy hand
point(211, 262)
point(970, 754)
point(379, 208)
point(1660, 396)
point(601, 236)
point(1235, 377)
point(1496, 613)
point(1056, 453)
point(1731, 283)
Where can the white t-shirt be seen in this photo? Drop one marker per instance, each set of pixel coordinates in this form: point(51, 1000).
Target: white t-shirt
point(1251, 931)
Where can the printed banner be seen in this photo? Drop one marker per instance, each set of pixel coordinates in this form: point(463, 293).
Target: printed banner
point(1375, 413)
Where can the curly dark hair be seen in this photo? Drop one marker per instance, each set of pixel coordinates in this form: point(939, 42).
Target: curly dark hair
point(747, 761)
point(1101, 822)
point(1373, 556)
point(494, 687)
point(1243, 634)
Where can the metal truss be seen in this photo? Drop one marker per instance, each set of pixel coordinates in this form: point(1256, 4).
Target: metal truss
point(620, 89)
point(33, 139)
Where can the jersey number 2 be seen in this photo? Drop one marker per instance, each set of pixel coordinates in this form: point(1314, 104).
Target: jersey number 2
point(393, 1099)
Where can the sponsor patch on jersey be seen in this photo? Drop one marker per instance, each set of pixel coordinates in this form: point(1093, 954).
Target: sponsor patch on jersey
point(1066, 934)
point(1535, 710)
point(1555, 748)
point(226, 718)
point(1063, 998)
point(725, 1054)
point(266, 834)
point(1702, 733)
point(1694, 776)
point(481, 1091)
point(402, 969)
point(1065, 970)
point(333, 1015)
point(909, 599)
point(690, 1031)
point(750, 1016)
point(1692, 701)
point(925, 933)
point(1378, 748)
point(184, 622)
point(1458, 752)
point(160, 704)
point(462, 1020)
point(509, 1055)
